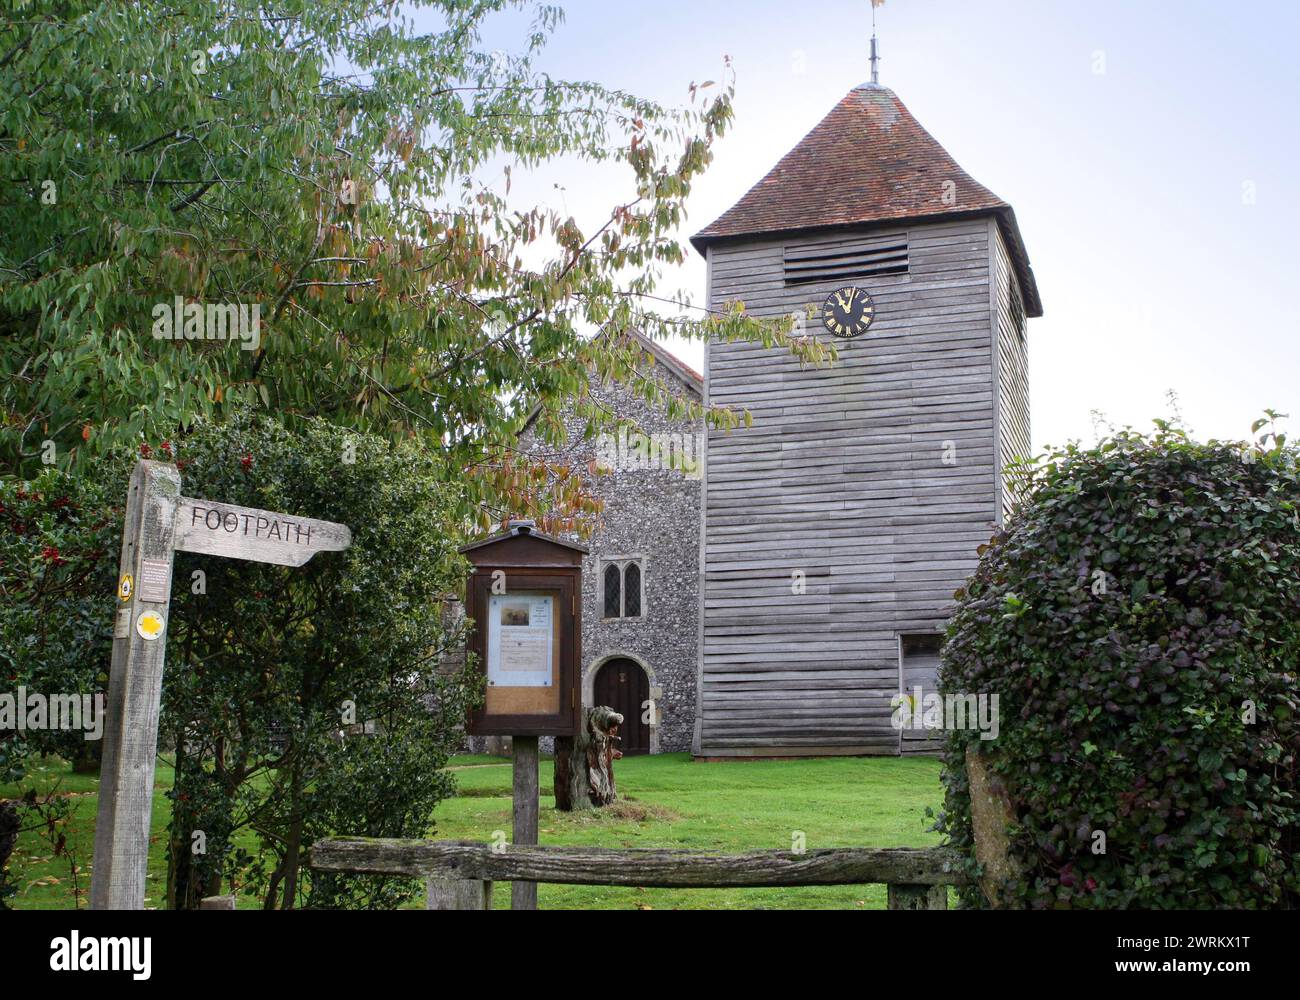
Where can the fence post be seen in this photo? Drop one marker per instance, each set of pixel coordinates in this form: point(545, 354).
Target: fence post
point(457, 894)
point(523, 895)
point(917, 897)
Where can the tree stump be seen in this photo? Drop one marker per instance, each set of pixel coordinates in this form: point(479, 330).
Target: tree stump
point(584, 765)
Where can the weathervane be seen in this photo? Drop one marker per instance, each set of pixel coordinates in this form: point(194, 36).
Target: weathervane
point(875, 46)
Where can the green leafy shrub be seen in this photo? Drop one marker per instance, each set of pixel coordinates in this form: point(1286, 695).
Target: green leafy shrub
point(298, 702)
point(1139, 620)
point(59, 541)
point(303, 702)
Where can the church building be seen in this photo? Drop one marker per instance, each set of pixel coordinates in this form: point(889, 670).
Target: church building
point(640, 585)
point(837, 527)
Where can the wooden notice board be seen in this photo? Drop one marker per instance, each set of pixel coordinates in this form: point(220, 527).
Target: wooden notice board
point(525, 597)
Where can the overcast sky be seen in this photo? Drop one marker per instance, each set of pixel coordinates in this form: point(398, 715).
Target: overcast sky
point(1149, 148)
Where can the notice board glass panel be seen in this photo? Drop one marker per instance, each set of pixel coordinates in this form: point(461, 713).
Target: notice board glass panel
point(523, 653)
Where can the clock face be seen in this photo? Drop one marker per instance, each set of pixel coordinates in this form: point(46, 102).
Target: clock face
point(848, 312)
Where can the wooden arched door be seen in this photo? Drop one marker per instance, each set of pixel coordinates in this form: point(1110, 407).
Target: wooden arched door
point(623, 686)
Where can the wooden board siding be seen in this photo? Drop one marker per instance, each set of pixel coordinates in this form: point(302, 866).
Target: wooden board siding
point(1013, 371)
point(841, 476)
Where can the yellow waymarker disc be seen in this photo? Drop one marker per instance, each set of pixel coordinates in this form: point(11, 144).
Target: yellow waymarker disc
point(149, 625)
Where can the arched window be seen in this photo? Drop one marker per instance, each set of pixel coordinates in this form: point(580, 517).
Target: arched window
point(622, 588)
point(632, 591)
point(613, 591)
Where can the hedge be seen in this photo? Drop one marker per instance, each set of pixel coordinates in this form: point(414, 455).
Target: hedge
point(1139, 620)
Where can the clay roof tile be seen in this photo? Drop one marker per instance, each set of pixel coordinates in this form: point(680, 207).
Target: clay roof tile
point(868, 162)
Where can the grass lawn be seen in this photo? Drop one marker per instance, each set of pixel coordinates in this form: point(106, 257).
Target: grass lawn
point(666, 801)
point(46, 882)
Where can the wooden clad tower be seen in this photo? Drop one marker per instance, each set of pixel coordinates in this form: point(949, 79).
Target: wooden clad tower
point(837, 527)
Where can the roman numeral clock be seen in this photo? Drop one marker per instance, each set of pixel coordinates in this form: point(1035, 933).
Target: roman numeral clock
point(848, 312)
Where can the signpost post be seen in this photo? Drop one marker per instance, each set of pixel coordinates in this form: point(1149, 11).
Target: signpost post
point(525, 597)
point(159, 521)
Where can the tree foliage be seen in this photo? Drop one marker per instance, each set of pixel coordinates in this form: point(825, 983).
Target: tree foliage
point(306, 701)
point(347, 173)
point(1139, 620)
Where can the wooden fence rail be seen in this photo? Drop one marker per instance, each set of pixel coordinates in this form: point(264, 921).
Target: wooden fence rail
point(460, 873)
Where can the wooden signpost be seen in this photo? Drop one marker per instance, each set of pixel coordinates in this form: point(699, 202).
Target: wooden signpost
point(525, 597)
point(159, 522)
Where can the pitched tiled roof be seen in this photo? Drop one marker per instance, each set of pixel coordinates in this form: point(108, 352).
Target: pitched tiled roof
point(867, 162)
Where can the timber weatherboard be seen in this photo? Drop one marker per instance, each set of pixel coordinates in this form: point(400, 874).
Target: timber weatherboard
point(841, 477)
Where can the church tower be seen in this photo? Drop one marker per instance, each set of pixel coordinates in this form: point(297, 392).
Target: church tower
point(837, 527)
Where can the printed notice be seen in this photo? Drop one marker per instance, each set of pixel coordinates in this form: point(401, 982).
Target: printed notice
point(155, 580)
point(519, 640)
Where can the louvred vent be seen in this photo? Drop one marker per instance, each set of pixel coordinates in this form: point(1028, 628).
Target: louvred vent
point(806, 265)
